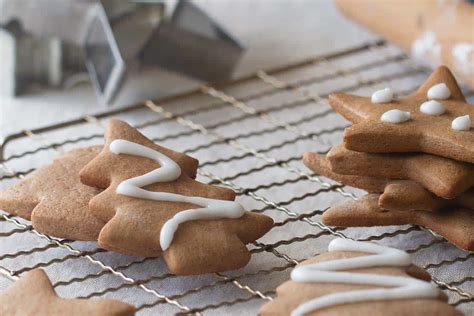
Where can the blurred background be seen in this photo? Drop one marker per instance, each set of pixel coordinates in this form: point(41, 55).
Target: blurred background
point(62, 59)
point(258, 34)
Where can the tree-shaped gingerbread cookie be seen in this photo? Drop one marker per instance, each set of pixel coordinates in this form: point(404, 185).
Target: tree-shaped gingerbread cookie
point(357, 279)
point(152, 206)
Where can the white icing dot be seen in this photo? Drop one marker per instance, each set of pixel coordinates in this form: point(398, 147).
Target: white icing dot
point(461, 123)
point(432, 108)
point(439, 91)
point(395, 116)
point(382, 96)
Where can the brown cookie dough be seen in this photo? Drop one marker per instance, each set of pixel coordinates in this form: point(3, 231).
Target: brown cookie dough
point(454, 224)
point(398, 195)
point(431, 134)
point(319, 163)
point(33, 294)
point(293, 294)
point(133, 225)
point(54, 198)
point(410, 196)
point(444, 177)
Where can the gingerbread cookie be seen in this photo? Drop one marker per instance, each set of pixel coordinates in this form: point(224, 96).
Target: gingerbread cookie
point(454, 224)
point(320, 164)
point(410, 196)
point(435, 119)
point(54, 198)
point(359, 278)
point(33, 294)
point(398, 195)
point(444, 177)
point(152, 206)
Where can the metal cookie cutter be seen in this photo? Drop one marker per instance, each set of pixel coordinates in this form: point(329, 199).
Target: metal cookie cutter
point(114, 40)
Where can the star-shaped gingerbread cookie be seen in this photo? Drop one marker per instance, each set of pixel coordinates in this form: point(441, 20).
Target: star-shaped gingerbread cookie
point(435, 119)
point(320, 164)
point(445, 177)
point(152, 203)
point(407, 195)
point(54, 198)
point(454, 224)
point(397, 195)
point(33, 294)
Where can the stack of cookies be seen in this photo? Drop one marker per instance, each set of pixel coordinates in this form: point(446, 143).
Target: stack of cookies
point(414, 156)
point(138, 198)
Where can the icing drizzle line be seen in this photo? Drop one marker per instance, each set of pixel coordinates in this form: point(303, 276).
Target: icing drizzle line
point(333, 272)
point(169, 171)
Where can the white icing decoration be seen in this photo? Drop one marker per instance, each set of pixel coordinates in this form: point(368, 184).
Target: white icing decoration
point(395, 116)
point(439, 91)
point(432, 107)
point(427, 48)
point(169, 171)
point(333, 272)
point(463, 54)
point(461, 123)
point(382, 96)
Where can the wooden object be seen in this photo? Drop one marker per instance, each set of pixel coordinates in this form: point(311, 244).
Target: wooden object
point(436, 32)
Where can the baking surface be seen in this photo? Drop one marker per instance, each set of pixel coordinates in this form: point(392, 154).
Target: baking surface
point(252, 143)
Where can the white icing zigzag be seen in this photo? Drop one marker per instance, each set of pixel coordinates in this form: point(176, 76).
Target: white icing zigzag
point(169, 171)
point(333, 272)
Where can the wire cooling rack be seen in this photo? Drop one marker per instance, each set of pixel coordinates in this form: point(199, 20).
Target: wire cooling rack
point(249, 135)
